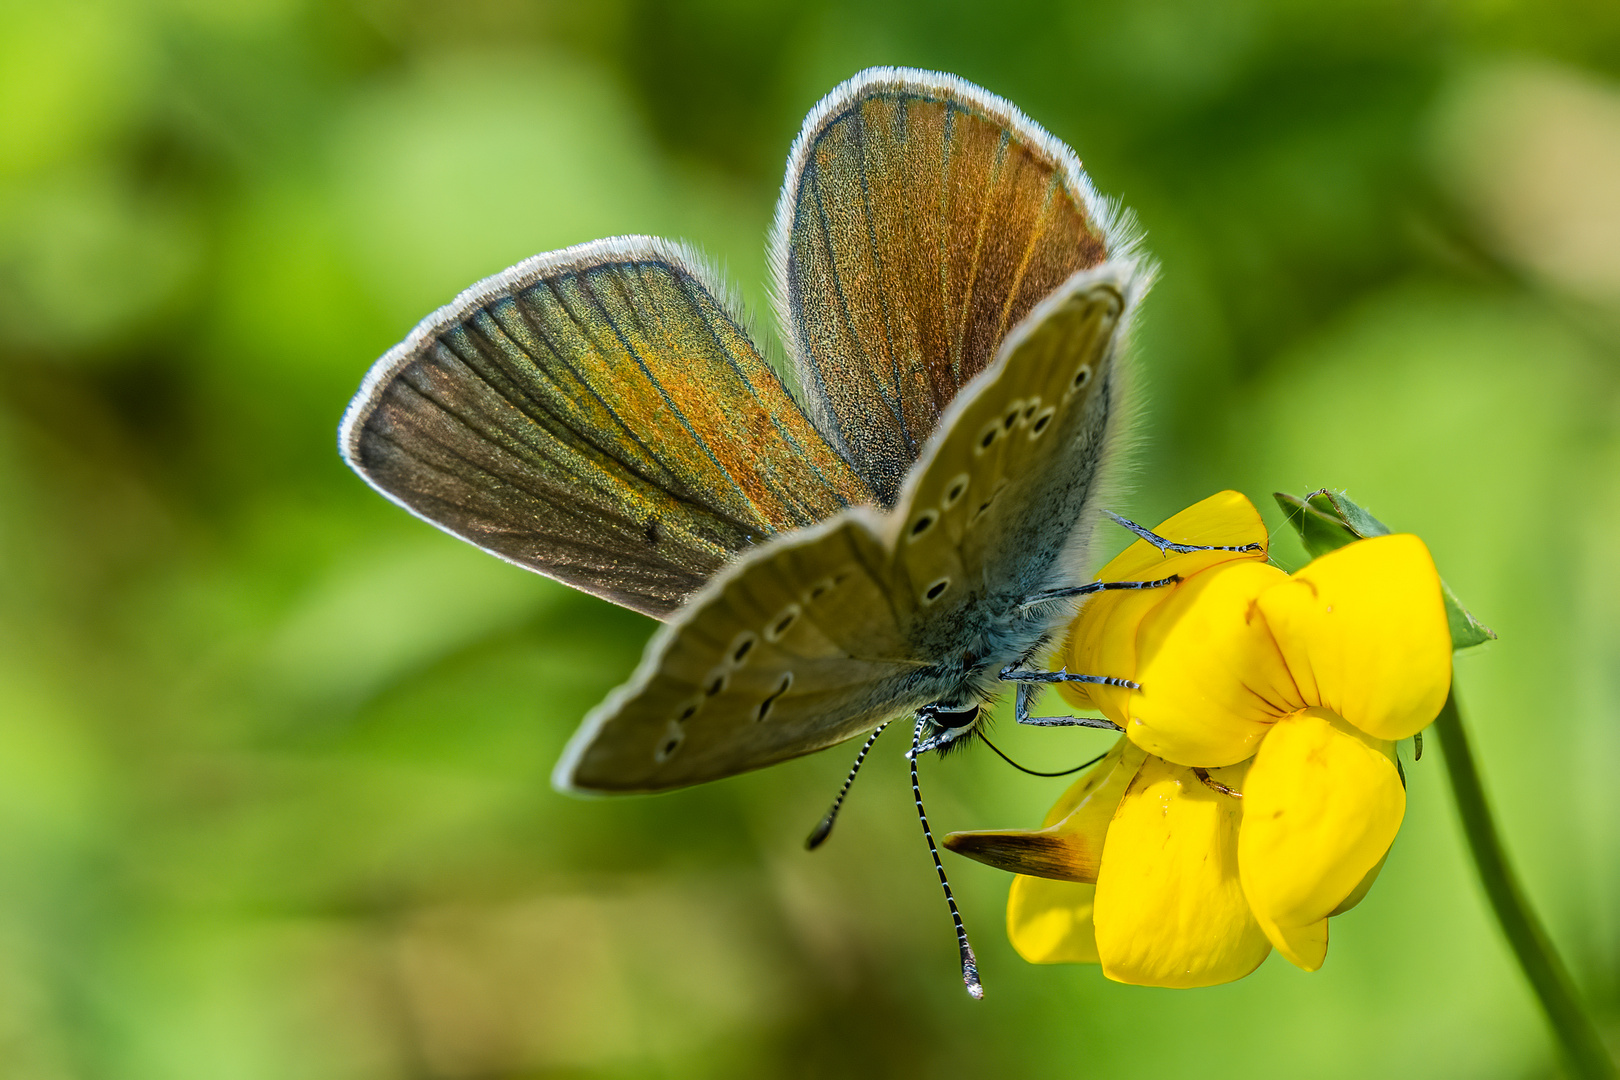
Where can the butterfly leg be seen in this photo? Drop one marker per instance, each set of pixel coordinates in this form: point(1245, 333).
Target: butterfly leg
point(1026, 696)
point(1170, 546)
point(1014, 673)
point(1215, 785)
point(1094, 587)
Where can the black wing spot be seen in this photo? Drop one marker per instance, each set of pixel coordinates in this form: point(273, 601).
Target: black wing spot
point(1029, 410)
point(825, 586)
point(740, 650)
point(937, 589)
point(717, 683)
point(674, 735)
point(988, 437)
point(985, 506)
point(783, 623)
point(1042, 420)
point(781, 688)
point(957, 489)
point(924, 522)
point(1082, 376)
point(690, 711)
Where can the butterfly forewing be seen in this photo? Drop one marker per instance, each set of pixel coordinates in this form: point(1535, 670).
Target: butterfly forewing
point(922, 219)
point(793, 648)
point(596, 414)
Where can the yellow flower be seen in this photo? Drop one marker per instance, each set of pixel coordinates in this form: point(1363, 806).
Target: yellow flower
point(1256, 792)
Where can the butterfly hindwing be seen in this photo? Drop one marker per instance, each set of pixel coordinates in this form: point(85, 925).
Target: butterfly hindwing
point(989, 514)
point(598, 415)
point(819, 635)
point(922, 219)
point(793, 648)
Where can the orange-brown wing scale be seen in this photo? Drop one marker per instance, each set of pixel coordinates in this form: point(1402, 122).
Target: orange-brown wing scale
point(921, 220)
point(992, 512)
point(599, 416)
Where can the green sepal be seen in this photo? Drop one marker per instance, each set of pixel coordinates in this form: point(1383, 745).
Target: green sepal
point(1327, 520)
point(1321, 531)
point(1466, 631)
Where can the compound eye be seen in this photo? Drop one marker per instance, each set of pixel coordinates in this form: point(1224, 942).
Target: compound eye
point(954, 719)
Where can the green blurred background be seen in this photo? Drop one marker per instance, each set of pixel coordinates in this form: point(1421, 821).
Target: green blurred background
point(274, 755)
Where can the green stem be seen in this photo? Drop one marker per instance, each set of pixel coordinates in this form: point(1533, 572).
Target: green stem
point(1588, 1057)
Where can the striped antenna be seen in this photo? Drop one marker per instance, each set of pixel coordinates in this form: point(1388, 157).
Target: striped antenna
point(970, 966)
point(824, 830)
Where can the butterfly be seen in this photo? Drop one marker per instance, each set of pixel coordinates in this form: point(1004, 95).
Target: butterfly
point(902, 529)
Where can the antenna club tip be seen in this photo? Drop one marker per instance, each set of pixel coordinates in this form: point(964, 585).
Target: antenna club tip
point(970, 974)
point(819, 834)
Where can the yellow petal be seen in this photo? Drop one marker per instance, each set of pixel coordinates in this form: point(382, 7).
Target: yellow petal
point(1303, 946)
point(1212, 679)
point(1169, 909)
point(1049, 922)
point(1113, 772)
point(1359, 893)
point(1069, 848)
point(1364, 632)
point(1103, 640)
point(1321, 805)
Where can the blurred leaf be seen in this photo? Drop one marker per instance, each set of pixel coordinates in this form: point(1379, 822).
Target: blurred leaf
point(86, 262)
point(505, 154)
point(70, 74)
point(1326, 520)
point(386, 612)
point(1531, 150)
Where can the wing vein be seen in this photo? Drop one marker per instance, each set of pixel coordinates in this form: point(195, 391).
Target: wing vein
point(843, 301)
point(944, 232)
point(972, 281)
point(876, 259)
point(1035, 234)
point(559, 356)
point(588, 288)
point(788, 493)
